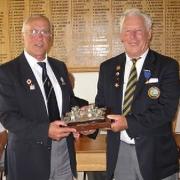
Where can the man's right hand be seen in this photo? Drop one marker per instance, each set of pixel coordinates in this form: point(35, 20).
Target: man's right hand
point(58, 130)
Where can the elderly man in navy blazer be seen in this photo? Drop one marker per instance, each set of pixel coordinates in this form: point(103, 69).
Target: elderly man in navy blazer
point(141, 89)
point(39, 148)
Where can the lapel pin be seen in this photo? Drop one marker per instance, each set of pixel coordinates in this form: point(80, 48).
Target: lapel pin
point(118, 68)
point(62, 81)
point(117, 73)
point(29, 83)
point(116, 85)
point(117, 76)
point(32, 87)
point(147, 74)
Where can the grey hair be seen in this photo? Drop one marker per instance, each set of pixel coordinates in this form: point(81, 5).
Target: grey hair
point(136, 12)
point(33, 17)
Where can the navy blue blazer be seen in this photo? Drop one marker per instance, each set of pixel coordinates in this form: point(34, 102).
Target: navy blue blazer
point(153, 109)
point(23, 114)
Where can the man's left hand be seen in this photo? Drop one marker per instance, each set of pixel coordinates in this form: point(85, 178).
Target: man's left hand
point(119, 122)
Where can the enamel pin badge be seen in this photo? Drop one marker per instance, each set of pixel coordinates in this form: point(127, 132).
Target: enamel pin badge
point(29, 83)
point(62, 81)
point(117, 76)
point(147, 74)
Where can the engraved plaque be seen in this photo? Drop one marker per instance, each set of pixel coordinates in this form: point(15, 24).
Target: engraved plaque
point(86, 32)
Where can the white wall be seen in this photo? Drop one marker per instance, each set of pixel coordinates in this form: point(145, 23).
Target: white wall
point(86, 85)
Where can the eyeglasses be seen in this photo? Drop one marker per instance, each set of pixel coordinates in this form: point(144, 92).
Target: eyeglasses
point(35, 32)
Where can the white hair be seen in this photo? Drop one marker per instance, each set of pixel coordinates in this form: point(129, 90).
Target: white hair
point(136, 12)
point(35, 16)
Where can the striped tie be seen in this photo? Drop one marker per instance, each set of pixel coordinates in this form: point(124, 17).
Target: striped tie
point(52, 106)
point(131, 86)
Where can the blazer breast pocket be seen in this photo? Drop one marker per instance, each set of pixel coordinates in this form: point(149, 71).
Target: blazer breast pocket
point(152, 91)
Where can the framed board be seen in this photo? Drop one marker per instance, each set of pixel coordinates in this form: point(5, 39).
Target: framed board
point(86, 32)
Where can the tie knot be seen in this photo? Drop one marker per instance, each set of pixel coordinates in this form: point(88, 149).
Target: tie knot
point(134, 60)
point(43, 65)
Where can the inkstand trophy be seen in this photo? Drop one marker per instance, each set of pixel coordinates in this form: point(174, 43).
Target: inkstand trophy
point(87, 118)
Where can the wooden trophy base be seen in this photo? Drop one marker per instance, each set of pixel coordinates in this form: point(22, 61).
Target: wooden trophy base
point(89, 125)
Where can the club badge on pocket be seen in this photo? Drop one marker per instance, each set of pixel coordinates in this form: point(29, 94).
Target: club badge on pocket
point(154, 92)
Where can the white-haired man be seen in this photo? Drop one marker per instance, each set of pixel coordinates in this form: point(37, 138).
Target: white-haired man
point(141, 89)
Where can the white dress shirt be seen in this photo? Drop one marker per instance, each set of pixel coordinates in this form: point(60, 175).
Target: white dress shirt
point(1, 128)
point(37, 70)
point(139, 64)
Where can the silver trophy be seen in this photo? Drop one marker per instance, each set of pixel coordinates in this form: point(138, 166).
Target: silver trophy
point(86, 118)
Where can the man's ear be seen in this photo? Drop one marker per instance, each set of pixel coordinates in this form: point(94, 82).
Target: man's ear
point(150, 35)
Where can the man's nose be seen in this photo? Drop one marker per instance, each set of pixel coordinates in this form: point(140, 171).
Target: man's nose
point(39, 35)
point(133, 34)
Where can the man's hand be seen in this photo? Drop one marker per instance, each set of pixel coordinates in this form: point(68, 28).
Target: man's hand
point(76, 135)
point(58, 130)
point(119, 122)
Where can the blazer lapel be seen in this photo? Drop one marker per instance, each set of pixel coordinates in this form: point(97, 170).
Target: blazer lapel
point(60, 76)
point(31, 85)
point(118, 74)
point(148, 65)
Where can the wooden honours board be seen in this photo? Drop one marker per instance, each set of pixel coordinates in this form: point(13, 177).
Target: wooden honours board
point(86, 32)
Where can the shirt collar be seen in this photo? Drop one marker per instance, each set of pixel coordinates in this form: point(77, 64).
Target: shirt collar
point(143, 56)
point(31, 60)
